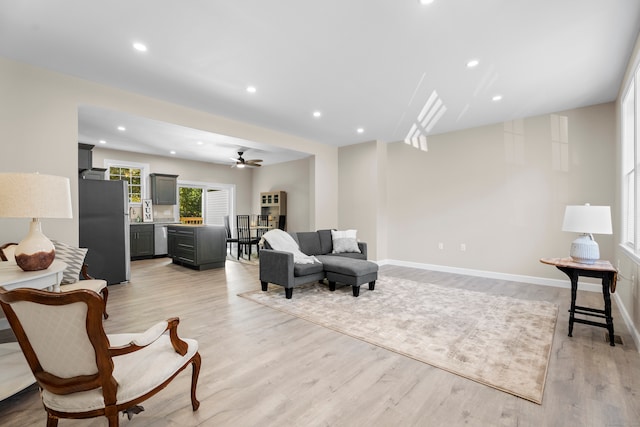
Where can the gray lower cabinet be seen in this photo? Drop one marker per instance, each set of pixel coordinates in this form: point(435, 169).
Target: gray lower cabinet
point(197, 246)
point(142, 244)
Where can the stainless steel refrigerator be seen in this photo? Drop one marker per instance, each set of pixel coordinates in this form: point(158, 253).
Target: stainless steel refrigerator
point(104, 228)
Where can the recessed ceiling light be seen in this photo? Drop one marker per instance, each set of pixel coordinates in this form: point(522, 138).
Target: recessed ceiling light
point(199, 142)
point(102, 141)
point(496, 98)
point(251, 89)
point(172, 152)
point(140, 47)
point(121, 128)
point(472, 63)
point(426, 1)
point(359, 130)
point(317, 114)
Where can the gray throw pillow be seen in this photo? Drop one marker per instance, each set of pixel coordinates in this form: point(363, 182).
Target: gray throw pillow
point(73, 257)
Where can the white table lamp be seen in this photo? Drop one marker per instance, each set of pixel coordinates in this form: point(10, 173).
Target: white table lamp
point(587, 220)
point(31, 195)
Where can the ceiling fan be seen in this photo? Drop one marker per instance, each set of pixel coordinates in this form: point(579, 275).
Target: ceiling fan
point(240, 162)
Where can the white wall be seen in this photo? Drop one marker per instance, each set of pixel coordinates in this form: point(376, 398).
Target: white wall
point(292, 177)
point(501, 190)
point(362, 194)
point(39, 131)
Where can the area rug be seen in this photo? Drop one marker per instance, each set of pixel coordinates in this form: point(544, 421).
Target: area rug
point(502, 342)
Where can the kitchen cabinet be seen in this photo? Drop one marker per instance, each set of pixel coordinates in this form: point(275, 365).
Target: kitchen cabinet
point(164, 189)
point(142, 244)
point(197, 246)
point(85, 156)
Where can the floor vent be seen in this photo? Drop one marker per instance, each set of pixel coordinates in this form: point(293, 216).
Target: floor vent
point(616, 338)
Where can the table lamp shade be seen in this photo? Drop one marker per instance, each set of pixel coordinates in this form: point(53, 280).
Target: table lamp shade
point(587, 220)
point(32, 195)
point(28, 195)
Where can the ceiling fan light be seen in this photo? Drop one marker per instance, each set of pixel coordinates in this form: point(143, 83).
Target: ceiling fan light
point(240, 165)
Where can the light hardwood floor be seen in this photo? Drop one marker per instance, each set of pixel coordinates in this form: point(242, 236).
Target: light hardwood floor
point(261, 367)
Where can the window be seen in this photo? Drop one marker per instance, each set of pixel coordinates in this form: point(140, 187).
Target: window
point(206, 201)
point(628, 167)
point(190, 202)
point(134, 173)
point(630, 121)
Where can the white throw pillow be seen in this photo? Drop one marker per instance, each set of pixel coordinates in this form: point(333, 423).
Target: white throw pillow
point(344, 241)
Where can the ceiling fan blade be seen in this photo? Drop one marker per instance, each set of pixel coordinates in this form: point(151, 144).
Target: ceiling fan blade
point(254, 161)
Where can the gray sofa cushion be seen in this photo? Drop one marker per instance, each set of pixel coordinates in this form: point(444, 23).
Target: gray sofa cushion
point(326, 241)
point(309, 242)
point(354, 255)
point(306, 269)
point(348, 267)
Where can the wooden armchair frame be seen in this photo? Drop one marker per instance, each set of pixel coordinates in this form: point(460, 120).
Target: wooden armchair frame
point(85, 275)
point(103, 379)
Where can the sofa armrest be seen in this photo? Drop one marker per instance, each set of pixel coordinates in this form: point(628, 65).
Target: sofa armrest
point(276, 267)
point(363, 248)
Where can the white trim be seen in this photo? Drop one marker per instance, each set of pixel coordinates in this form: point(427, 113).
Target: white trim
point(231, 188)
point(591, 287)
point(557, 283)
point(635, 334)
point(630, 253)
point(144, 178)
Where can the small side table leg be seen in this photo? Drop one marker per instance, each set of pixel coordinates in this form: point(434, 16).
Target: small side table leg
point(574, 291)
point(606, 283)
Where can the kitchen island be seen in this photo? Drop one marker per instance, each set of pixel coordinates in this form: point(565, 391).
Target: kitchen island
point(197, 246)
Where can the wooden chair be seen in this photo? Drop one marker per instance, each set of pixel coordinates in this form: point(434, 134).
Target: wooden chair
point(83, 372)
point(230, 239)
point(262, 221)
point(74, 257)
point(245, 240)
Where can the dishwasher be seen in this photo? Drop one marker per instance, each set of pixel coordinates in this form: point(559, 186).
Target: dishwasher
point(160, 239)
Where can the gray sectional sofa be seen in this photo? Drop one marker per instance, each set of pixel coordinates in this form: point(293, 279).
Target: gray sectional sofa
point(349, 268)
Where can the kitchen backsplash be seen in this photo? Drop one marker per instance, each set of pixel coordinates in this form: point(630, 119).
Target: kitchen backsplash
point(161, 213)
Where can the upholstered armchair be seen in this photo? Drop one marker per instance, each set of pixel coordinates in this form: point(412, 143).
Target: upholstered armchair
point(74, 258)
point(82, 371)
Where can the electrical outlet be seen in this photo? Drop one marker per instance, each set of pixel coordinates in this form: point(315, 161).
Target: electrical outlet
point(441, 246)
point(463, 247)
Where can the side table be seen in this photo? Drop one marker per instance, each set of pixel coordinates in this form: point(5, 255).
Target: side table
point(601, 269)
point(15, 374)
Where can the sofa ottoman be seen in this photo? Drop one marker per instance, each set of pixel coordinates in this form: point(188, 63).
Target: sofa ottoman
point(350, 271)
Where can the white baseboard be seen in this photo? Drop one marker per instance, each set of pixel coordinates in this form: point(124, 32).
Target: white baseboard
point(556, 283)
point(635, 334)
point(591, 287)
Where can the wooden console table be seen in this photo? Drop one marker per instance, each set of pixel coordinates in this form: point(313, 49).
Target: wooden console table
point(600, 270)
point(15, 374)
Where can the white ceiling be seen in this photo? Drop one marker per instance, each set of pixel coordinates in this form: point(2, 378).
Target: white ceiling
point(362, 63)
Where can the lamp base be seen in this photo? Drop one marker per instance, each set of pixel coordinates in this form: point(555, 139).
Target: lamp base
point(585, 250)
point(35, 252)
